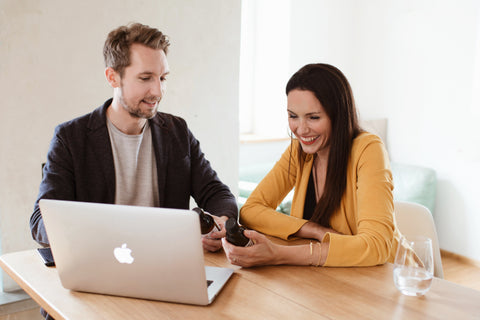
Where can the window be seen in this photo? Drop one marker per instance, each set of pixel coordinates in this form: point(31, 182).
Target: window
point(264, 68)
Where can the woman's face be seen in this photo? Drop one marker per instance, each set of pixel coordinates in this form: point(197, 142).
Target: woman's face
point(308, 121)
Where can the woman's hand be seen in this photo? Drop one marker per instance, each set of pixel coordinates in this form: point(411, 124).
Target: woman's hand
point(312, 230)
point(213, 242)
point(263, 252)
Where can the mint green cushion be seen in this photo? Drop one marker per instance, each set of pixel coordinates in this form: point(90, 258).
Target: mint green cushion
point(414, 184)
point(255, 172)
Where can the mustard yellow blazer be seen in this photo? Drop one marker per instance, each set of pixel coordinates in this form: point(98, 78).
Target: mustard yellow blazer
point(365, 218)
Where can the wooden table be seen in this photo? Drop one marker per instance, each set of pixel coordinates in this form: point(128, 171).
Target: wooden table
point(277, 292)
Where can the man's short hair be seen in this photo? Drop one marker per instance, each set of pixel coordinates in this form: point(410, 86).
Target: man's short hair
point(116, 51)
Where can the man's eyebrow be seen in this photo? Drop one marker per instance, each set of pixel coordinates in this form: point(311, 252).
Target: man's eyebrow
point(152, 73)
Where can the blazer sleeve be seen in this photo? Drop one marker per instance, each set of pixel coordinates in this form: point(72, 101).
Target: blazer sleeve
point(57, 183)
point(372, 242)
point(208, 191)
point(259, 211)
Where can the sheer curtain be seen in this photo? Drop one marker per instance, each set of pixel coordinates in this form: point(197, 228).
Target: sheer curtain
point(264, 67)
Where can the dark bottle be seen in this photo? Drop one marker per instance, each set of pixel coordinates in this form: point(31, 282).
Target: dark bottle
point(207, 223)
point(235, 234)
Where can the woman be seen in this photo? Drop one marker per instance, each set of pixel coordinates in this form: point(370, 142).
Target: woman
point(342, 179)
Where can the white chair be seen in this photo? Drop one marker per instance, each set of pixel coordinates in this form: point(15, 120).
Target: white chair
point(416, 220)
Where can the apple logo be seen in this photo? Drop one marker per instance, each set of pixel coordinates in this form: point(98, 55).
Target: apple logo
point(123, 254)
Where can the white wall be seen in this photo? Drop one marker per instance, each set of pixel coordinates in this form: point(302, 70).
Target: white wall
point(413, 62)
point(51, 70)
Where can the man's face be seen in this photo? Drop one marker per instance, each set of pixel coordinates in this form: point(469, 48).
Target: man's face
point(144, 81)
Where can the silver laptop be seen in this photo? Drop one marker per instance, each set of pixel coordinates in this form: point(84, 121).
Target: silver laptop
point(140, 252)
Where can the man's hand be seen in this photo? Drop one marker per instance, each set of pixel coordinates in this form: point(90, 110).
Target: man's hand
point(213, 242)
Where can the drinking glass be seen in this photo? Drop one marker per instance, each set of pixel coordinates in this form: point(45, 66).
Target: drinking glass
point(413, 269)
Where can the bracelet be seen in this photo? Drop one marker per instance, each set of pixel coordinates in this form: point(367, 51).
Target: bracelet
point(311, 252)
point(320, 255)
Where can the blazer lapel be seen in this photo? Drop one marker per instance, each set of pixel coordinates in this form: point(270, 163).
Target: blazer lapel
point(160, 146)
point(99, 140)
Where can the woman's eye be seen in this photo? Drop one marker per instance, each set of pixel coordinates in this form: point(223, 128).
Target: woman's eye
point(315, 118)
point(145, 79)
point(292, 116)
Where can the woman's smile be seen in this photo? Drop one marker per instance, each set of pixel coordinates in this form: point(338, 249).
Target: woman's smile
point(308, 121)
point(309, 140)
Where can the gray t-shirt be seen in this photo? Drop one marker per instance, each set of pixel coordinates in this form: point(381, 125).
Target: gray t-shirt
point(135, 167)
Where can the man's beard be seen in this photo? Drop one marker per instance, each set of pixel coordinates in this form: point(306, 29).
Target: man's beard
point(136, 111)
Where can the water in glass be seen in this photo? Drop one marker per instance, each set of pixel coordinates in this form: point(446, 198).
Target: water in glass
point(413, 270)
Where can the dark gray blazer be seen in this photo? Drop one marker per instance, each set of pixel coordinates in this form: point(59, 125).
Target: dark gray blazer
point(80, 167)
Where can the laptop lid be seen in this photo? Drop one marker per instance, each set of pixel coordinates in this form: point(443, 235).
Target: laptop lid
point(140, 252)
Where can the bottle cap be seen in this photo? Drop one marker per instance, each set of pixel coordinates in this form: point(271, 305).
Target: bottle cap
point(231, 225)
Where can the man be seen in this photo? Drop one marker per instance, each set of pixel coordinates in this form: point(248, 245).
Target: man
point(125, 151)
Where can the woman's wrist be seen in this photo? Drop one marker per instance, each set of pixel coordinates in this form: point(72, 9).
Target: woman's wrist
point(281, 254)
point(285, 255)
point(298, 255)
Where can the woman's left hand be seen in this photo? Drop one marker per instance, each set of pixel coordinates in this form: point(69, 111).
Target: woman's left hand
point(312, 230)
point(263, 252)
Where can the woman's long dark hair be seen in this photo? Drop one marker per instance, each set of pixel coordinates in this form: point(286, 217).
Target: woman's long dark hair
point(332, 89)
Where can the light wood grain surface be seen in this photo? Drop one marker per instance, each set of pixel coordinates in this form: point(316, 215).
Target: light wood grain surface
point(276, 292)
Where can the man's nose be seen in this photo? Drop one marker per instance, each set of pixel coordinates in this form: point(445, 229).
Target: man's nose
point(158, 88)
